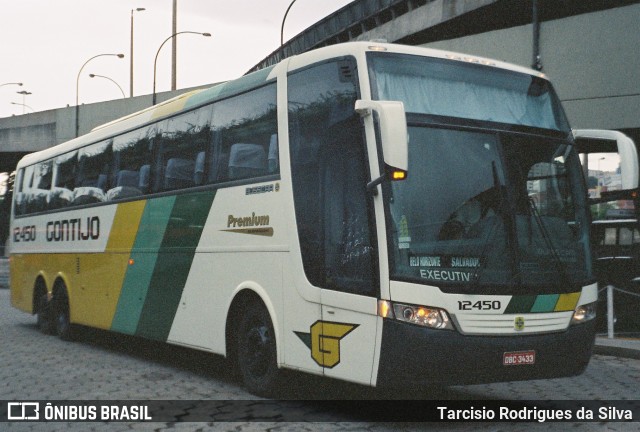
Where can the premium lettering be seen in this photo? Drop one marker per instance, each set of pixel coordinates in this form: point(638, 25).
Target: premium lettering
point(73, 229)
point(248, 221)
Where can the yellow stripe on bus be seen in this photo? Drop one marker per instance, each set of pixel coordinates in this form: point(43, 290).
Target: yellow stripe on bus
point(103, 274)
point(173, 106)
point(125, 226)
point(567, 302)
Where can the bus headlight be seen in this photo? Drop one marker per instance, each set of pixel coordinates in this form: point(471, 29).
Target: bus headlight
point(584, 313)
point(424, 316)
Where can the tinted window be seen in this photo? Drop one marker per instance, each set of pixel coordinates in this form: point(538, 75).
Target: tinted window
point(38, 192)
point(64, 176)
point(92, 175)
point(23, 184)
point(233, 139)
point(131, 168)
point(182, 157)
point(329, 173)
point(245, 136)
point(466, 90)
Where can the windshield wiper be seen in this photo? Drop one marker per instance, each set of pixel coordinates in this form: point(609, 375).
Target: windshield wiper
point(562, 270)
point(507, 221)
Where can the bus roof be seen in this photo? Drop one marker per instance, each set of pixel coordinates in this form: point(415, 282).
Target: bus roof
point(361, 47)
point(176, 105)
point(196, 98)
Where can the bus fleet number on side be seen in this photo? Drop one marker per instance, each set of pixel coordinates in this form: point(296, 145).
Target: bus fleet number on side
point(24, 234)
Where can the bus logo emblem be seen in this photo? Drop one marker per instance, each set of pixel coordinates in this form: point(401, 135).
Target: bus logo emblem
point(518, 324)
point(324, 339)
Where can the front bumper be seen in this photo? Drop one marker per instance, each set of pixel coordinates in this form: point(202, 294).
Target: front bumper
point(416, 355)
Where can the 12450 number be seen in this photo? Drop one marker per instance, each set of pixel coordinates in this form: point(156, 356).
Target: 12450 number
point(479, 305)
point(24, 234)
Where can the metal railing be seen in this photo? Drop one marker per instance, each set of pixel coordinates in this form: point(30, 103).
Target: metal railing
point(611, 317)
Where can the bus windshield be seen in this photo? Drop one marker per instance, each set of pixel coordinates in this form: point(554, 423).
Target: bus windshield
point(466, 90)
point(488, 209)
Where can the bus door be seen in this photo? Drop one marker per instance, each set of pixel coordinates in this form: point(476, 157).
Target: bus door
point(334, 218)
point(334, 215)
point(348, 328)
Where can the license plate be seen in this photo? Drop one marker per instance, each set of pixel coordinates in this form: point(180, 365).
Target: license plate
point(518, 358)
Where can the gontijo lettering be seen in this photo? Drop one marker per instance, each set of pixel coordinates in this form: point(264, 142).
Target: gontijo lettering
point(73, 229)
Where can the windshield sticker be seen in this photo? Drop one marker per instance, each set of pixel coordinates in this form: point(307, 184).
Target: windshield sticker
point(445, 268)
point(446, 275)
point(445, 261)
point(404, 240)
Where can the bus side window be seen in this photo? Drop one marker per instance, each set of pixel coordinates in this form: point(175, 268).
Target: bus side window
point(92, 175)
point(23, 184)
point(39, 191)
point(625, 236)
point(272, 157)
point(610, 237)
point(64, 174)
point(244, 128)
point(131, 152)
point(348, 247)
point(183, 139)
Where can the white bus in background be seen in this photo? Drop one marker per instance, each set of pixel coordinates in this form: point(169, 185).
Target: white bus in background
point(369, 212)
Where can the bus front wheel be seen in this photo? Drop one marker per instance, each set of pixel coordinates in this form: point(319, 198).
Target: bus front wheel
point(256, 343)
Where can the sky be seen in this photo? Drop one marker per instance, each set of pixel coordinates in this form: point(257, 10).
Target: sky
point(45, 43)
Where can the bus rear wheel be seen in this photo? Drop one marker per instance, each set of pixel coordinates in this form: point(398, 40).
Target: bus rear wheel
point(43, 312)
point(256, 342)
point(61, 314)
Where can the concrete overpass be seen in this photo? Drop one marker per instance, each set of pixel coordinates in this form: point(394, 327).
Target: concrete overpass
point(23, 134)
point(589, 49)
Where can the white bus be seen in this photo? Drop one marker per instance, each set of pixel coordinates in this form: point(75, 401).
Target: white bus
point(369, 212)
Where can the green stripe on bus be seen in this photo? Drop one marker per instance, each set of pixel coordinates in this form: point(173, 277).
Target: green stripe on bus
point(545, 303)
point(174, 261)
point(144, 255)
point(520, 304)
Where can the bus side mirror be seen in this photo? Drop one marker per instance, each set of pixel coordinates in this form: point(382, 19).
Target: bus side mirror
point(393, 137)
point(607, 141)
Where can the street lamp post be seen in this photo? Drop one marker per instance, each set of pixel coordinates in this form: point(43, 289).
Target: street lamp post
point(282, 26)
point(113, 81)
point(131, 53)
point(23, 106)
point(155, 62)
point(16, 83)
point(174, 46)
point(78, 86)
point(24, 94)
point(600, 184)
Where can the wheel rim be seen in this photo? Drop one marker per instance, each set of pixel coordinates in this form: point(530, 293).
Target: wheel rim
point(62, 316)
point(258, 349)
point(63, 321)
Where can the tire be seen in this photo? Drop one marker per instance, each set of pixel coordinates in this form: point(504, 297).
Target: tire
point(61, 315)
point(43, 314)
point(256, 355)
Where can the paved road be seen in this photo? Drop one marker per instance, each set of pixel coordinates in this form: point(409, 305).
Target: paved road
point(101, 366)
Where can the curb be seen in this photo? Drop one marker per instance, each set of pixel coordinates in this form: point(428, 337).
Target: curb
point(617, 351)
